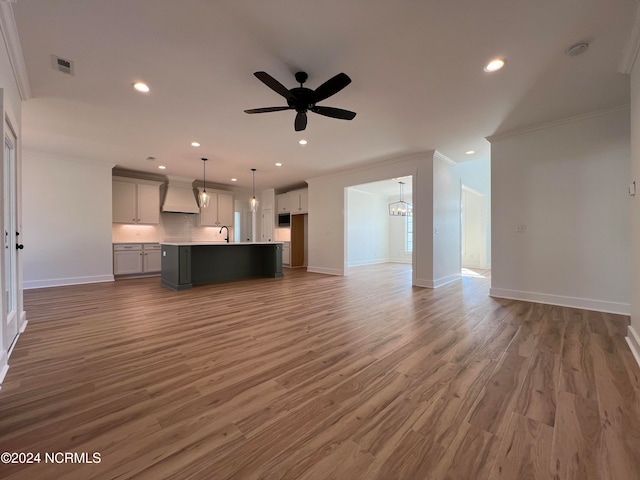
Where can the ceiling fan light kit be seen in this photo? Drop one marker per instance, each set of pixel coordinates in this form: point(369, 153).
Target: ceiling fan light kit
point(303, 100)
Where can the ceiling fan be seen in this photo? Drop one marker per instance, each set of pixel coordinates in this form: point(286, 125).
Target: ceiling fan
point(302, 99)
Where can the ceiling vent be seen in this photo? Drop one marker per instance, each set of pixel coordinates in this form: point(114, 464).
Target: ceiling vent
point(62, 65)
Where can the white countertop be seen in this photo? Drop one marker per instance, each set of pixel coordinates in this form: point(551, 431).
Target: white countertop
point(183, 244)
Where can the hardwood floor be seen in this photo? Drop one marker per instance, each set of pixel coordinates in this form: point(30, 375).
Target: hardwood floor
point(319, 377)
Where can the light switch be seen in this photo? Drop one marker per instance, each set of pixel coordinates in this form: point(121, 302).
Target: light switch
point(436, 230)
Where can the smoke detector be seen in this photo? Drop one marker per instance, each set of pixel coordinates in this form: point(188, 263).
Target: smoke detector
point(577, 49)
point(62, 64)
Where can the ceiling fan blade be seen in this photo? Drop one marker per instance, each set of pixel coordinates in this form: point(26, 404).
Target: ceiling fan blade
point(267, 109)
point(331, 87)
point(334, 112)
point(301, 121)
point(274, 85)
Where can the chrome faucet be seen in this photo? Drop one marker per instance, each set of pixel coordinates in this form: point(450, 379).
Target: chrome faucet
point(227, 237)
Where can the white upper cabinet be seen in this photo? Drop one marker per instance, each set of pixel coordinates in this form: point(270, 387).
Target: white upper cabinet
point(135, 201)
point(293, 202)
point(299, 201)
point(282, 202)
point(219, 212)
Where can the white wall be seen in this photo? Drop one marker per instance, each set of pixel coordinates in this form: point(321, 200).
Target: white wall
point(367, 228)
point(567, 182)
point(476, 174)
point(66, 221)
point(446, 222)
point(634, 204)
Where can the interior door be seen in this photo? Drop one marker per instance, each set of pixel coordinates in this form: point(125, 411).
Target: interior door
point(11, 244)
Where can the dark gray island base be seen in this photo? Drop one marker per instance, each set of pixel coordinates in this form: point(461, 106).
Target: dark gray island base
point(187, 264)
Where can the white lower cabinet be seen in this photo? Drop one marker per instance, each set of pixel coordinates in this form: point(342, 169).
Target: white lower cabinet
point(152, 257)
point(136, 258)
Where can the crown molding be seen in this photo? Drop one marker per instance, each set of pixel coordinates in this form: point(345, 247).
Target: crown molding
point(14, 48)
point(27, 151)
point(631, 48)
point(554, 124)
point(380, 163)
point(444, 158)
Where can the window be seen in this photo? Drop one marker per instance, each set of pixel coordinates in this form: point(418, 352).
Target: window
point(408, 244)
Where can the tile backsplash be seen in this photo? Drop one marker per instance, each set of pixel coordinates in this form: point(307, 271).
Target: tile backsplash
point(173, 227)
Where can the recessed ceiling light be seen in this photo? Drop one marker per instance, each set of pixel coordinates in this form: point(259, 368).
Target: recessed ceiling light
point(234, 179)
point(141, 87)
point(278, 164)
point(302, 142)
point(161, 167)
point(494, 65)
point(195, 144)
point(470, 152)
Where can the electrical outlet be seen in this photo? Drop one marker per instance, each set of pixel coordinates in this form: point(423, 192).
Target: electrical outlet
point(521, 228)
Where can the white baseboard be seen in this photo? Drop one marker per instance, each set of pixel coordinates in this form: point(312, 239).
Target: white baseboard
point(633, 339)
point(325, 271)
point(374, 261)
point(439, 282)
point(405, 261)
point(583, 303)
point(59, 282)
point(23, 322)
point(4, 366)
point(436, 283)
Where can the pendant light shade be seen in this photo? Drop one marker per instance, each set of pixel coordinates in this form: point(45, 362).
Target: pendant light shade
point(253, 202)
point(203, 196)
point(400, 208)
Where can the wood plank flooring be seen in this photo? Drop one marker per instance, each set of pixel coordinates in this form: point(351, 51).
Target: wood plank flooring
point(319, 377)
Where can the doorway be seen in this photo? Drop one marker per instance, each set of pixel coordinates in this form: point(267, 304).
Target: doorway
point(473, 224)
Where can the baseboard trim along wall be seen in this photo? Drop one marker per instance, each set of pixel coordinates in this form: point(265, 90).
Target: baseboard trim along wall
point(438, 282)
point(375, 261)
point(561, 301)
point(633, 339)
point(4, 366)
point(325, 271)
point(59, 282)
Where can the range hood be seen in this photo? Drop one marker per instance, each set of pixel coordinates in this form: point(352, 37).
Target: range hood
point(179, 197)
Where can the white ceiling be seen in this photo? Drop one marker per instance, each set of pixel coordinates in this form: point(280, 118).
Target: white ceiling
point(416, 67)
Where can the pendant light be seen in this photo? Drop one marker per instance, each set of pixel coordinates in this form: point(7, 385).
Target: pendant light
point(203, 196)
point(253, 202)
point(400, 208)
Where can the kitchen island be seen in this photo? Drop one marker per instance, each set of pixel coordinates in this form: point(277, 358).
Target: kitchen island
point(185, 264)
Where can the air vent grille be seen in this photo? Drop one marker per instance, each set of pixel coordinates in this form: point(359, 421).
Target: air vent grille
point(62, 65)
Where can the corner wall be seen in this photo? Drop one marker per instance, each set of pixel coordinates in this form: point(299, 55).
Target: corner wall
point(566, 183)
